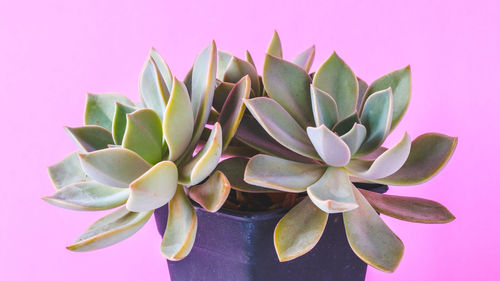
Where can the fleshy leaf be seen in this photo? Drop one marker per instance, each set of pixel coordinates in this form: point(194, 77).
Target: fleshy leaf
point(143, 135)
point(153, 87)
point(237, 69)
point(182, 224)
point(289, 85)
point(200, 167)
point(324, 108)
point(332, 193)
point(299, 230)
point(362, 87)
point(370, 238)
point(386, 164)
point(154, 188)
point(91, 137)
point(274, 47)
point(67, 171)
point(355, 137)
point(376, 117)
point(410, 209)
point(223, 61)
point(429, 154)
point(305, 59)
point(100, 109)
point(88, 196)
point(114, 166)
point(249, 58)
point(400, 83)
point(220, 94)
point(120, 121)
point(346, 124)
point(332, 149)
point(337, 79)
point(178, 121)
point(280, 174)
point(234, 170)
point(163, 68)
point(281, 126)
point(110, 229)
point(211, 194)
point(233, 109)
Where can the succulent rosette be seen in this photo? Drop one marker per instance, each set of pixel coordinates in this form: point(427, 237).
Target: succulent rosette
point(339, 123)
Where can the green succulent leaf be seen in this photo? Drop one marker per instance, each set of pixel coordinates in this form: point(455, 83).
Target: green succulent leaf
point(280, 174)
point(281, 126)
point(370, 238)
point(100, 109)
point(163, 68)
point(251, 133)
point(143, 135)
point(220, 94)
point(324, 108)
point(299, 230)
point(188, 81)
point(429, 153)
point(67, 171)
point(362, 87)
point(386, 164)
point(238, 68)
point(202, 165)
point(400, 83)
point(332, 193)
point(337, 79)
point(376, 117)
point(178, 121)
point(234, 170)
point(408, 208)
point(90, 137)
point(88, 196)
point(153, 86)
point(332, 149)
point(114, 166)
point(305, 59)
point(274, 47)
point(120, 121)
point(181, 227)
point(345, 125)
point(250, 60)
point(289, 85)
point(355, 137)
point(223, 61)
point(111, 229)
point(211, 194)
point(154, 188)
point(233, 109)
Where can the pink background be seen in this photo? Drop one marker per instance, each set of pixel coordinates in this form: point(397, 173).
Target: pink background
point(53, 52)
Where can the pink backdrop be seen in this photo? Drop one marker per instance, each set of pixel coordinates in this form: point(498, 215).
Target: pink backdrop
point(53, 52)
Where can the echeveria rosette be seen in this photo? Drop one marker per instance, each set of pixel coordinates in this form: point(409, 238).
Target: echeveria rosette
point(322, 119)
point(140, 156)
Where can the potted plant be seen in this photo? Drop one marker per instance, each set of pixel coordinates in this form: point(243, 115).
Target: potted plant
point(290, 189)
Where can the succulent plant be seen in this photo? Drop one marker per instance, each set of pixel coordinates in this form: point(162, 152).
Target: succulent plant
point(306, 138)
point(339, 123)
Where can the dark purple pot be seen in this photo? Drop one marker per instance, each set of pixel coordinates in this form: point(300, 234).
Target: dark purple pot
point(238, 246)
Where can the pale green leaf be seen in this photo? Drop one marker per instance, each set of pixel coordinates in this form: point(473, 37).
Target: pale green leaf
point(100, 109)
point(346, 124)
point(154, 188)
point(237, 69)
point(249, 58)
point(223, 61)
point(178, 121)
point(408, 208)
point(289, 85)
point(280, 174)
point(233, 109)
point(274, 47)
point(67, 171)
point(90, 137)
point(211, 194)
point(332, 149)
point(370, 238)
point(336, 78)
point(332, 193)
point(143, 135)
point(153, 87)
point(182, 224)
point(362, 87)
point(299, 230)
point(355, 137)
point(114, 166)
point(110, 229)
point(234, 170)
point(324, 108)
point(163, 68)
point(120, 121)
point(305, 59)
point(281, 126)
point(88, 196)
point(220, 95)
